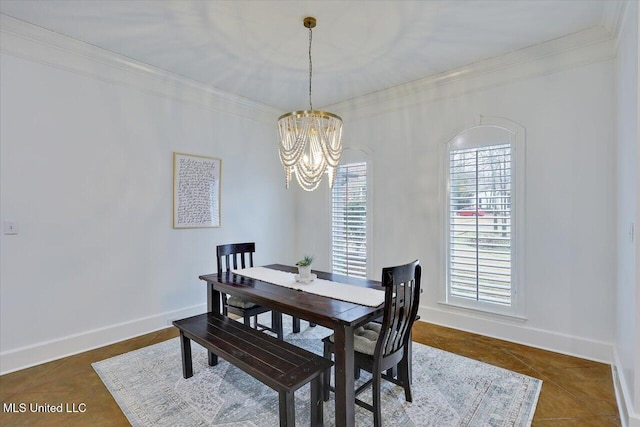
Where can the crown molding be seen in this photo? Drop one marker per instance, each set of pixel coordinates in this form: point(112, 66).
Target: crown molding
point(37, 44)
point(613, 17)
point(581, 48)
point(27, 41)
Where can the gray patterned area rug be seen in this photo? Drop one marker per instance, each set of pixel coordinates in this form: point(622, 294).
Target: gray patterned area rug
point(448, 390)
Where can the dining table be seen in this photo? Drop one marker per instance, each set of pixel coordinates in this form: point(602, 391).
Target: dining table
point(343, 317)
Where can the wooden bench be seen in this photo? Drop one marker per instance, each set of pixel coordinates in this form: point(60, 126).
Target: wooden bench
point(276, 363)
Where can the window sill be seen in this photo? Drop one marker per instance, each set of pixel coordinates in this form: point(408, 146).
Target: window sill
point(487, 313)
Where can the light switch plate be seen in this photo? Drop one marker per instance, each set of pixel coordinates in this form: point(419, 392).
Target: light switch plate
point(10, 227)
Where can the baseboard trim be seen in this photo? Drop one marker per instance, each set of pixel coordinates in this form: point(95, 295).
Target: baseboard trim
point(628, 417)
point(36, 354)
point(43, 352)
point(517, 332)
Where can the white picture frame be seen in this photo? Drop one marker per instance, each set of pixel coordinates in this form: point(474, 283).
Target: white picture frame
point(196, 191)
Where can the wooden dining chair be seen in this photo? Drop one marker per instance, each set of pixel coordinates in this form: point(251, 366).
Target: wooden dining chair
point(385, 348)
point(240, 255)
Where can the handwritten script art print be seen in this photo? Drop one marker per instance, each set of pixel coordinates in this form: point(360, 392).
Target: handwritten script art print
point(196, 191)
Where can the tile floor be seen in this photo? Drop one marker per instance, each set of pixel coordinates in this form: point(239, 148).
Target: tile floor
point(575, 392)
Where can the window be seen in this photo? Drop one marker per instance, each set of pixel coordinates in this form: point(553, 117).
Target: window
point(485, 170)
point(349, 220)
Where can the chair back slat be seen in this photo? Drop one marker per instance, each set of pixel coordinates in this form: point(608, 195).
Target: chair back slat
point(402, 297)
point(230, 254)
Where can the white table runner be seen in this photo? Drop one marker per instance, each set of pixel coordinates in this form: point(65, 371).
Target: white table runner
point(326, 288)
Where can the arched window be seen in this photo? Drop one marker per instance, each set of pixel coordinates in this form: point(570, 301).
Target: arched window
point(484, 217)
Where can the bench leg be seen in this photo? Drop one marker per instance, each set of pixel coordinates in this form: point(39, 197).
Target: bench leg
point(187, 365)
point(317, 399)
point(287, 405)
point(213, 359)
point(296, 325)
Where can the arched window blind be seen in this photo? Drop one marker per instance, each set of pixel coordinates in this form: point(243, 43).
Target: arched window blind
point(480, 223)
point(349, 220)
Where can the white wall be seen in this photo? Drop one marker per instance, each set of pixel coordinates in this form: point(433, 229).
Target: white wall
point(627, 348)
point(86, 171)
point(567, 108)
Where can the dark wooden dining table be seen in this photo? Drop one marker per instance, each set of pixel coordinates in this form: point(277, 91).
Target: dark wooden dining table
point(340, 316)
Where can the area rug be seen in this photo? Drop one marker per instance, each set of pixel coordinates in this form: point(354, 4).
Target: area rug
point(448, 390)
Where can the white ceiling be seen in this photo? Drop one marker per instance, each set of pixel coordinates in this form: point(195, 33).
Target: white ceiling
point(259, 49)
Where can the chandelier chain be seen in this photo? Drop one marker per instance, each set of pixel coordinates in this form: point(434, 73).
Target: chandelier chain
point(310, 69)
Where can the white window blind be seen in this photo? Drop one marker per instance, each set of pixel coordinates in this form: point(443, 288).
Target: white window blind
point(349, 220)
point(480, 219)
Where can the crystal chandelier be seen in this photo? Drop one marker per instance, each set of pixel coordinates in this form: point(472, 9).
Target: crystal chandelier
point(310, 140)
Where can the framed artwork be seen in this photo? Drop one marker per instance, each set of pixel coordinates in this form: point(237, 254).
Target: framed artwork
point(196, 191)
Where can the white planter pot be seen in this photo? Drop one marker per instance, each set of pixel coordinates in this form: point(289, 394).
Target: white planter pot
point(304, 272)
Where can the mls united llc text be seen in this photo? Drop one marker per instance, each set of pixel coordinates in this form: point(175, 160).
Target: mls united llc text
point(44, 407)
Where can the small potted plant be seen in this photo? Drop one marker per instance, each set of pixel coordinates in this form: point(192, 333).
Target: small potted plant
point(304, 267)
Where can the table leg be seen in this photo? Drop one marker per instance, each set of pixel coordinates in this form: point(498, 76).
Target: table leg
point(213, 299)
point(213, 306)
point(276, 323)
point(344, 377)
